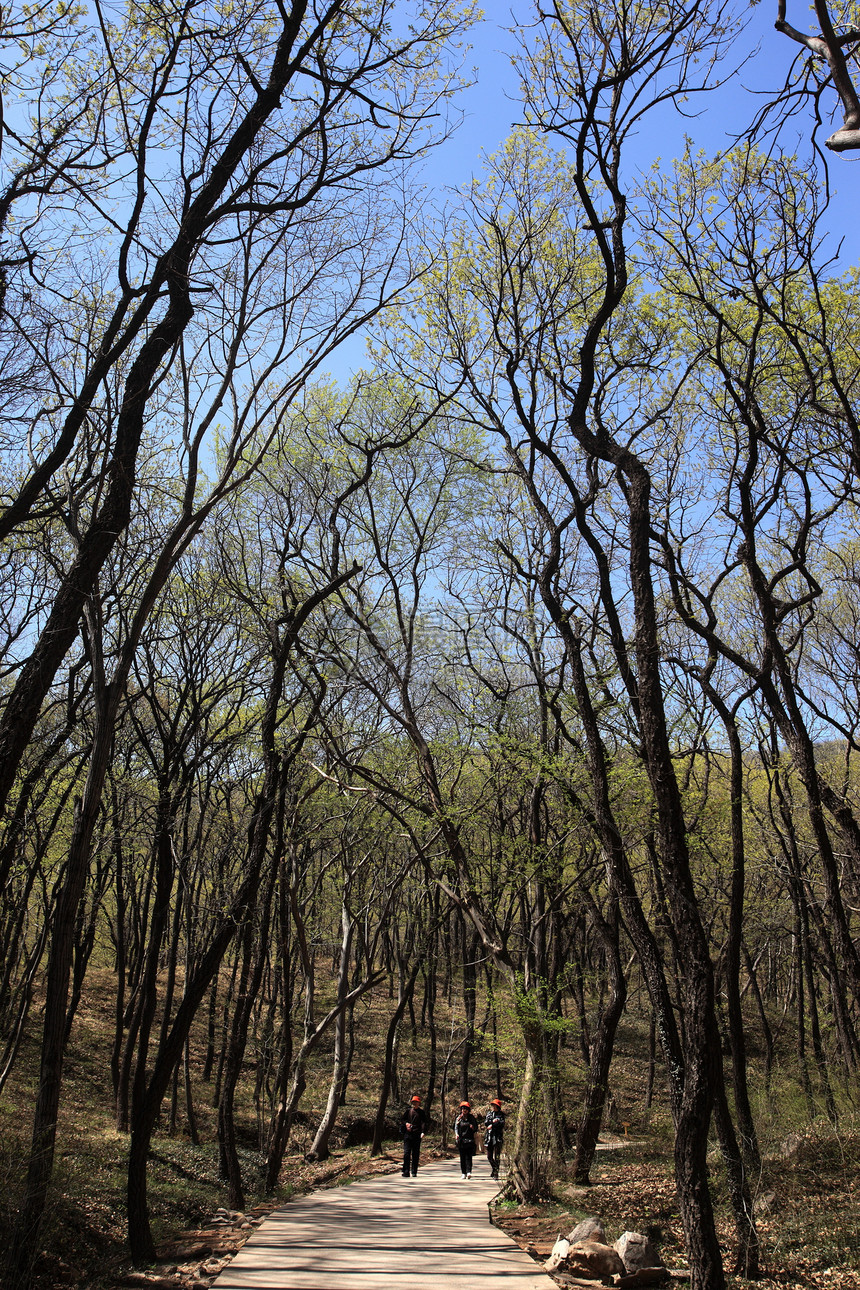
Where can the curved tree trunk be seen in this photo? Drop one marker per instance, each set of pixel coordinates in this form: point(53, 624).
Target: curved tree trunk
point(737, 1037)
point(601, 1048)
point(527, 1179)
point(60, 953)
point(470, 954)
point(388, 1064)
point(277, 1143)
point(255, 938)
point(747, 1261)
point(319, 1146)
point(230, 1167)
point(148, 1105)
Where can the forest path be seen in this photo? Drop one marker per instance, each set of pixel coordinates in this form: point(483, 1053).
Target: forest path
point(427, 1233)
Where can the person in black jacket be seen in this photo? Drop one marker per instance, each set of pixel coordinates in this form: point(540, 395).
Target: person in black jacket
point(494, 1135)
point(465, 1131)
point(412, 1127)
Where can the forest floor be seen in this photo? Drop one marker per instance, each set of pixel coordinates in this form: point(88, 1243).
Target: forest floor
point(808, 1196)
point(810, 1234)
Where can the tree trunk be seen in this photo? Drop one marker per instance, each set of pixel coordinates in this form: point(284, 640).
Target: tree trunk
point(388, 1063)
point(528, 1178)
point(41, 1162)
point(189, 1101)
point(737, 1036)
point(209, 1060)
point(146, 1106)
point(765, 1024)
point(319, 1146)
point(601, 1048)
point(278, 1129)
point(747, 1261)
point(652, 1063)
point(701, 1048)
point(428, 1007)
point(255, 939)
point(470, 954)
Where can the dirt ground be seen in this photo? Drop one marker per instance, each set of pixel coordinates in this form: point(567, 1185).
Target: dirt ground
point(191, 1260)
point(627, 1194)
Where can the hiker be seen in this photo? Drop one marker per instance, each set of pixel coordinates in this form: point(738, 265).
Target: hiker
point(494, 1125)
point(465, 1131)
point(412, 1128)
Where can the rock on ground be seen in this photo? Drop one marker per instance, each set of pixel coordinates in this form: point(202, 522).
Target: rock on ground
point(559, 1254)
point(637, 1253)
point(590, 1229)
point(592, 1260)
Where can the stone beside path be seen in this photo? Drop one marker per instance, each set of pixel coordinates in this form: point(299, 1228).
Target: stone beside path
point(428, 1233)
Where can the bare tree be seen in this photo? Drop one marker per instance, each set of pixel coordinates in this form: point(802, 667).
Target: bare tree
point(233, 276)
point(228, 268)
point(535, 329)
point(832, 49)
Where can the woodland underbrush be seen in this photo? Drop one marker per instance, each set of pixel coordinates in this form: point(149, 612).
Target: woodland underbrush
point(807, 1197)
point(808, 1220)
point(83, 1238)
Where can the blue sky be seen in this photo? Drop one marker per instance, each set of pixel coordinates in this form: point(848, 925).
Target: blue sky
point(490, 108)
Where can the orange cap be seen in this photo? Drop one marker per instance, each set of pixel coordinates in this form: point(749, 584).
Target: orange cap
point(495, 1102)
point(416, 1098)
point(466, 1104)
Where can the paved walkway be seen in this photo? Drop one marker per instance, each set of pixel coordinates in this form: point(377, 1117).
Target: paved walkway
point(430, 1233)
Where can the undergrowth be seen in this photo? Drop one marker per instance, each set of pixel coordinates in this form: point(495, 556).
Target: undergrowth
point(809, 1185)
